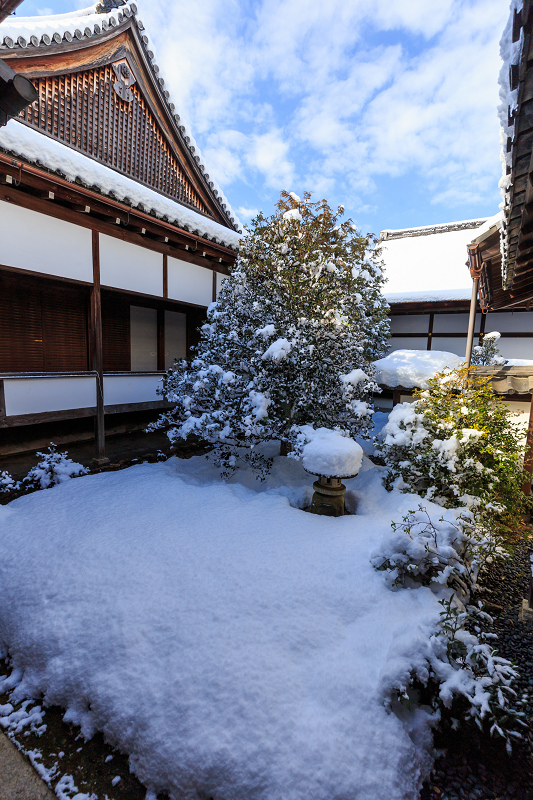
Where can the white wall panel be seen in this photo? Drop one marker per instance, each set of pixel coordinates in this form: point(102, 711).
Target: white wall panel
point(452, 323)
point(516, 348)
point(409, 323)
point(508, 321)
point(29, 240)
point(128, 266)
point(119, 389)
point(408, 343)
point(36, 395)
point(189, 282)
point(450, 344)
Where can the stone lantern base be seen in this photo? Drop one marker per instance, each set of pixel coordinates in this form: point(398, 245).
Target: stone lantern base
point(328, 498)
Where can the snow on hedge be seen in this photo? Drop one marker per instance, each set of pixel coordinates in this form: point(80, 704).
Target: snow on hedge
point(233, 645)
point(411, 368)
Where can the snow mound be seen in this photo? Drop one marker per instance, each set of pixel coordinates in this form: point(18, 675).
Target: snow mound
point(412, 368)
point(330, 453)
point(215, 633)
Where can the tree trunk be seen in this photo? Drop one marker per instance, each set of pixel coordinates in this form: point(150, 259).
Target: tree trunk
point(285, 448)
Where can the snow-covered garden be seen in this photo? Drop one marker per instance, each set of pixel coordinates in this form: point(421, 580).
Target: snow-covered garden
point(233, 644)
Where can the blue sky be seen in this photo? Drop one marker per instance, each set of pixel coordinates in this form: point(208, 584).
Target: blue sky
point(386, 106)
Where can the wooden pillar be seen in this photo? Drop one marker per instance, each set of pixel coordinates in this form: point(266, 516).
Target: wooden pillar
point(214, 295)
point(430, 330)
point(482, 327)
point(471, 322)
point(97, 359)
point(528, 458)
point(474, 265)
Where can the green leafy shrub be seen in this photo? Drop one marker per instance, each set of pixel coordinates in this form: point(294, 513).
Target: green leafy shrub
point(458, 445)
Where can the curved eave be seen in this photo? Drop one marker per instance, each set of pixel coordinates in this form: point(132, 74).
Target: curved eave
point(167, 108)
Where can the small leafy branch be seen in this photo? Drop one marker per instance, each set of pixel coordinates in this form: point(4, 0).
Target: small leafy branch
point(485, 679)
point(449, 553)
point(52, 469)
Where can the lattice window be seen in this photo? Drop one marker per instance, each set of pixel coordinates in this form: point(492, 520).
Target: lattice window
point(83, 111)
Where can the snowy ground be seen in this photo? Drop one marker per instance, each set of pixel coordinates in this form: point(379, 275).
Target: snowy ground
point(235, 646)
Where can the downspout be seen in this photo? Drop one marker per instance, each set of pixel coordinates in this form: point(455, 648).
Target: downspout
point(474, 265)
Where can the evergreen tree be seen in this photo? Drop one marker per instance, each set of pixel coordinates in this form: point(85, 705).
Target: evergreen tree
point(291, 339)
point(487, 353)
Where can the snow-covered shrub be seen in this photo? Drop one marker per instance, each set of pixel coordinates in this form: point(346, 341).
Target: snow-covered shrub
point(487, 354)
point(7, 483)
point(53, 468)
point(460, 668)
point(450, 552)
point(290, 341)
point(457, 445)
point(456, 662)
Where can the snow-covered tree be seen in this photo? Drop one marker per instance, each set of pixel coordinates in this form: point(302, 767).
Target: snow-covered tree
point(487, 353)
point(291, 339)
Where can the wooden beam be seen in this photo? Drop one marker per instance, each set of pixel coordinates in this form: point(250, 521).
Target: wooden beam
point(46, 416)
point(97, 358)
point(149, 405)
point(430, 330)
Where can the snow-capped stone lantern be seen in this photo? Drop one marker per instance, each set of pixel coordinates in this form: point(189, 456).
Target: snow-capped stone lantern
point(332, 456)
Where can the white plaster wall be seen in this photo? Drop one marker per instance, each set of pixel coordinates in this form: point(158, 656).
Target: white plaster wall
point(410, 323)
point(523, 410)
point(452, 323)
point(409, 343)
point(450, 345)
point(128, 266)
point(119, 389)
point(508, 321)
point(516, 348)
point(189, 282)
point(29, 240)
point(36, 395)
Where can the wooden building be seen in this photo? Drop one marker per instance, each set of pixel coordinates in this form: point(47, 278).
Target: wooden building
point(429, 290)
point(113, 236)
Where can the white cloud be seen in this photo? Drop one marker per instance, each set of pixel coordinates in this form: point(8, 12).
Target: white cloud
point(333, 95)
point(247, 214)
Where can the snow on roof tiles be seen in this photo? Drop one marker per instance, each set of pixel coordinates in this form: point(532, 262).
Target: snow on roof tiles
point(45, 31)
point(428, 261)
point(24, 141)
